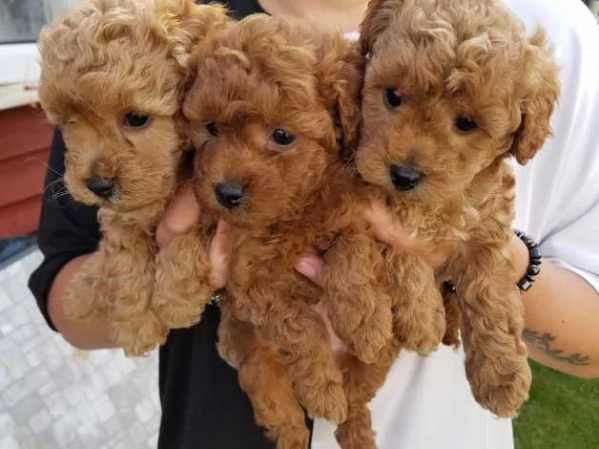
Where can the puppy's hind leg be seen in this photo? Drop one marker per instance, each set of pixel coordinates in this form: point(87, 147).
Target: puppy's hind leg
point(361, 382)
point(264, 378)
point(181, 290)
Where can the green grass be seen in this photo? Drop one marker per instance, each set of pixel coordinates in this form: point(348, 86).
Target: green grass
point(562, 412)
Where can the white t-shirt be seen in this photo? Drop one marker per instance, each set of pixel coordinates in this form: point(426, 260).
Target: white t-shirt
point(426, 403)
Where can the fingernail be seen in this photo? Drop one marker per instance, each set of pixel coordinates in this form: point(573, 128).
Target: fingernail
point(307, 269)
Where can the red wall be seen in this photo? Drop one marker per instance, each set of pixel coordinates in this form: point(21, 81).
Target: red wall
point(24, 144)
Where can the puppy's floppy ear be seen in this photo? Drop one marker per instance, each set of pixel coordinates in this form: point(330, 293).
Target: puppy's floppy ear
point(378, 16)
point(188, 24)
point(540, 97)
point(340, 81)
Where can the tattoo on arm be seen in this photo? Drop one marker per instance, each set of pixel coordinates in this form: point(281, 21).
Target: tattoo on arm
point(544, 341)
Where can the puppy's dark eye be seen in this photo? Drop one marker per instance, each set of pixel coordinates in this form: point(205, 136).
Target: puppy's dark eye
point(465, 123)
point(392, 98)
point(135, 120)
point(282, 138)
point(212, 128)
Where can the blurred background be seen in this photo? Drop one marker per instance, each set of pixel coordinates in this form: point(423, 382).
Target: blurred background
point(54, 397)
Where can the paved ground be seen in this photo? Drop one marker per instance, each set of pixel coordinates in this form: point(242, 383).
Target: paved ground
point(54, 397)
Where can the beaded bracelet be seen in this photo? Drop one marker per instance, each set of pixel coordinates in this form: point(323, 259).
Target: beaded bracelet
point(534, 261)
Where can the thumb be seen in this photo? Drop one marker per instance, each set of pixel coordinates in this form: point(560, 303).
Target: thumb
point(310, 265)
point(181, 214)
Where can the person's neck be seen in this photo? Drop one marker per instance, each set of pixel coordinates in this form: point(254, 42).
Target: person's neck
point(344, 15)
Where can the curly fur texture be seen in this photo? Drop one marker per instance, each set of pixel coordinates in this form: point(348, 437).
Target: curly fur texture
point(260, 78)
point(103, 60)
point(442, 60)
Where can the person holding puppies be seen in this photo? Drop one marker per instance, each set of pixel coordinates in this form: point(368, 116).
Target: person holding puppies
point(557, 203)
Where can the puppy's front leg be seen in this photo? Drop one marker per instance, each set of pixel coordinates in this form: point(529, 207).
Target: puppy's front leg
point(356, 297)
point(133, 324)
point(181, 291)
point(302, 337)
point(492, 321)
point(418, 310)
point(264, 378)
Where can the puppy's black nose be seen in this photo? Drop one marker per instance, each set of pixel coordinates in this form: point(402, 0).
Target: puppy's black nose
point(102, 187)
point(404, 177)
point(229, 194)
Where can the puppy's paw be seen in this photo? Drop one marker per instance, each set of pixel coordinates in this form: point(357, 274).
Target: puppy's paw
point(424, 332)
point(77, 306)
point(356, 432)
point(82, 298)
point(502, 394)
point(178, 314)
point(349, 438)
point(328, 402)
point(367, 341)
point(141, 335)
point(293, 437)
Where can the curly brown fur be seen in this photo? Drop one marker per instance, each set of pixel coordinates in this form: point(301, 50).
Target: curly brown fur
point(264, 376)
point(101, 62)
point(431, 62)
point(287, 193)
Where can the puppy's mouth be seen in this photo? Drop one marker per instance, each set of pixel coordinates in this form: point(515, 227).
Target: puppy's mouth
point(405, 177)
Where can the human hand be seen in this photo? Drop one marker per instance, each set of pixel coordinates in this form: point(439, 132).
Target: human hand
point(182, 213)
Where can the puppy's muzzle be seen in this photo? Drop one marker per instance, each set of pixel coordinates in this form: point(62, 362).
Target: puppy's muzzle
point(100, 186)
point(404, 177)
point(229, 194)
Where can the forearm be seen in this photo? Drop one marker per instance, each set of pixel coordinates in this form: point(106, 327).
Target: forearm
point(561, 319)
point(84, 335)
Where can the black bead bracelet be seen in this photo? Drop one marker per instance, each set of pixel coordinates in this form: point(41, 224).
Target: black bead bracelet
point(534, 260)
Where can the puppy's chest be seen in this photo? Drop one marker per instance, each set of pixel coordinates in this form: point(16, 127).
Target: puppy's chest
point(142, 222)
point(459, 220)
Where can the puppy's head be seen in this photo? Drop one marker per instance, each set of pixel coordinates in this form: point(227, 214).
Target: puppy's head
point(450, 86)
point(112, 73)
point(270, 107)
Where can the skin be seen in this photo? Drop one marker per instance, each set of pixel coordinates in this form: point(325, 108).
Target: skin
point(561, 309)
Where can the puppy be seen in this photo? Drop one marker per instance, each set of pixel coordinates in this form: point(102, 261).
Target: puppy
point(112, 73)
point(452, 89)
point(271, 107)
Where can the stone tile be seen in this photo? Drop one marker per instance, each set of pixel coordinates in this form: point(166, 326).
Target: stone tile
point(138, 433)
point(56, 404)
point(104, 408)
point(144, 411)
point(14, 393)
point(153, 441)
point(7, 423)
point(55, 397)
point(4, 376)
point(9, 443)
point(27, 407)
point(47, 389)
point(65, 430)
point(36, 378)
point(40, 420)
